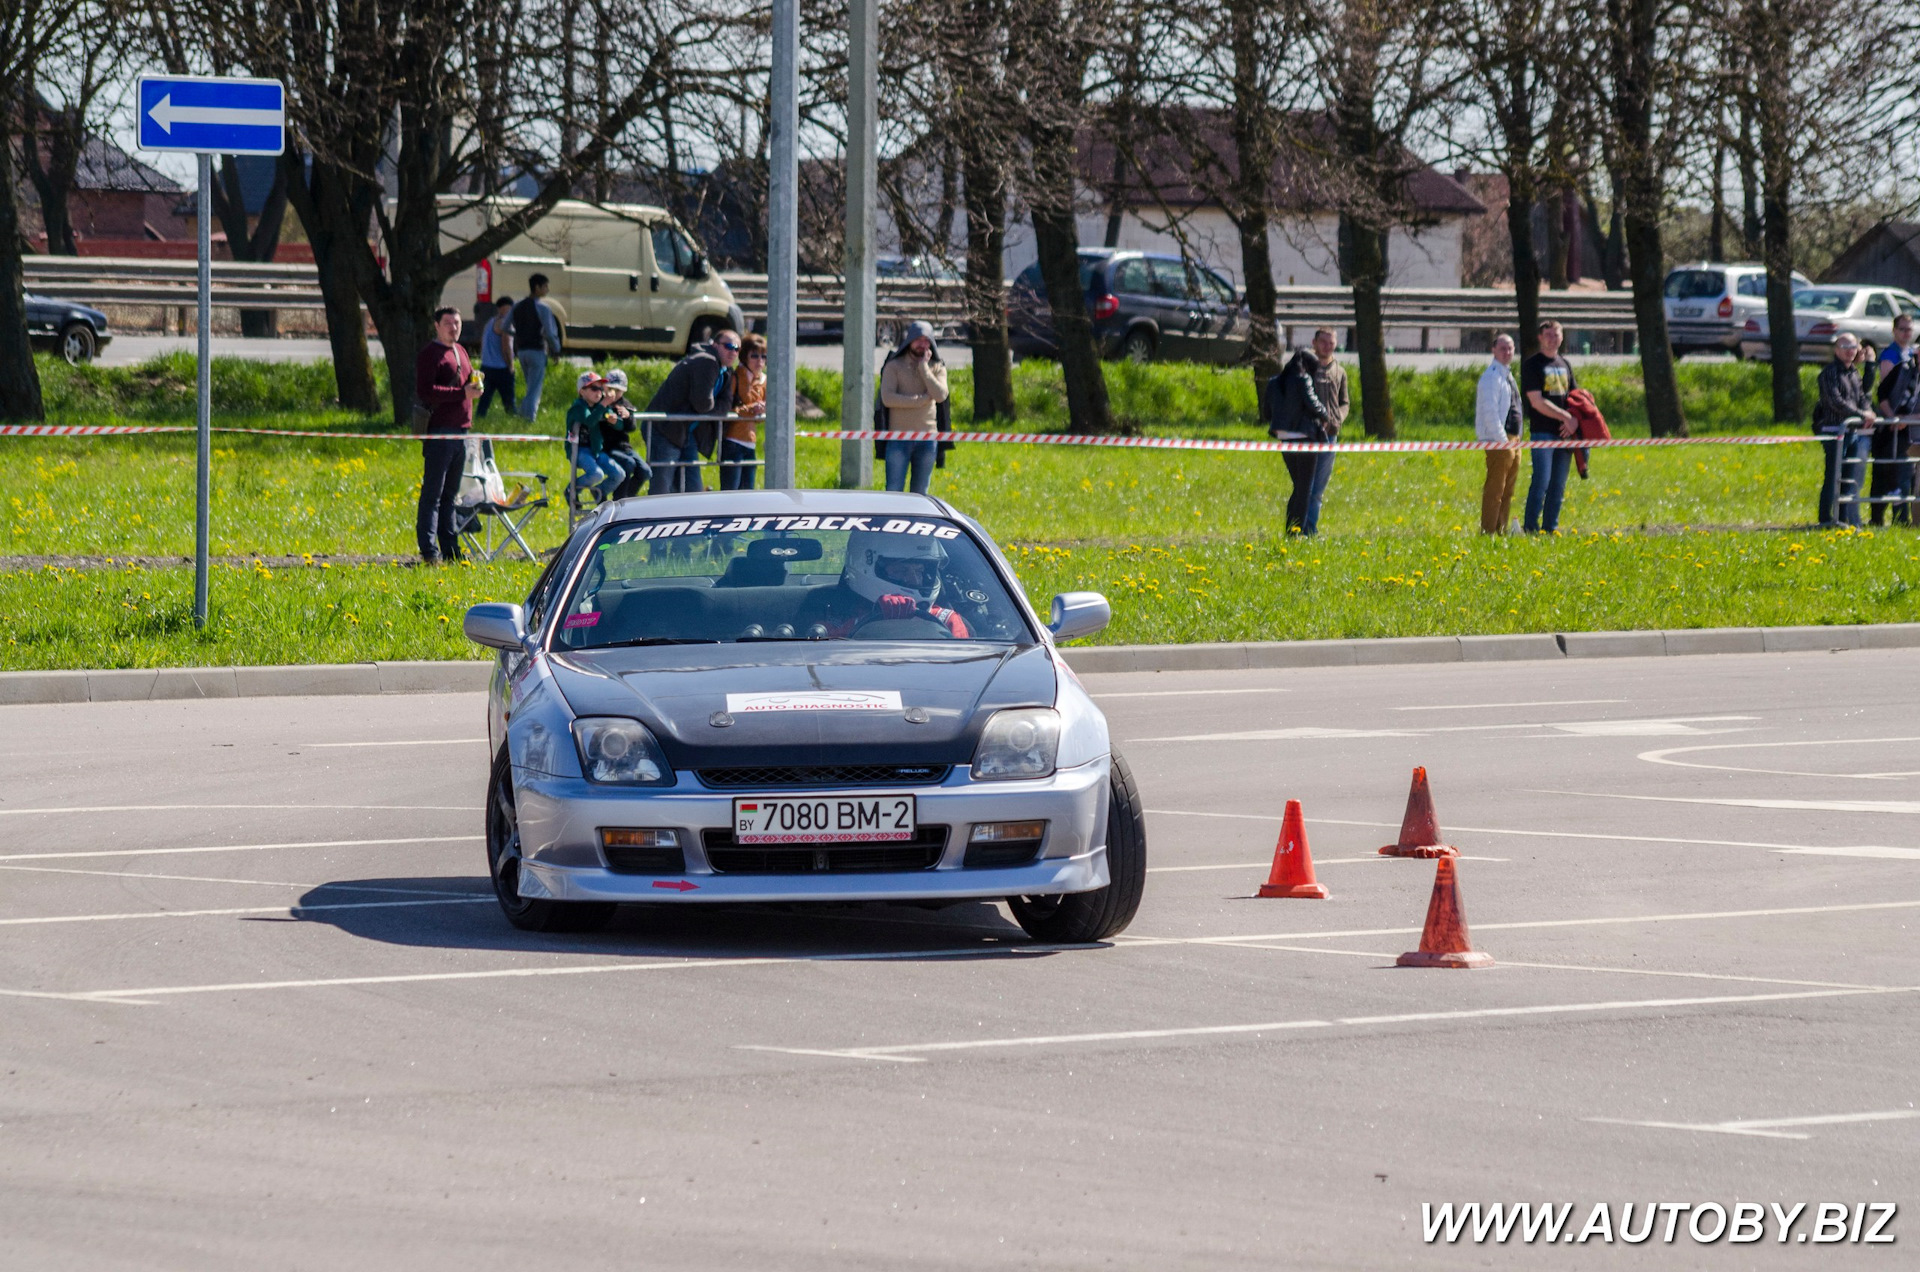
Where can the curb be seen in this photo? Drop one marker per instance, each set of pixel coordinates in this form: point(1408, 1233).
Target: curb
point(150, 684)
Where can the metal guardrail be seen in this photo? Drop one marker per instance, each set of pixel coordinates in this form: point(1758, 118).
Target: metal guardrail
point(133, 281)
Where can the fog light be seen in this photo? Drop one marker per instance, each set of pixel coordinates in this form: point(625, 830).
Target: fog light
point(1002, 832)
point(628, 837)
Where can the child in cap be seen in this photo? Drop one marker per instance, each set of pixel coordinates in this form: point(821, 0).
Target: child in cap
point(597, 470)
point(617, 432)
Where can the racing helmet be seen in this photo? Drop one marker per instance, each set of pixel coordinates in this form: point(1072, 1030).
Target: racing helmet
point(881, 564)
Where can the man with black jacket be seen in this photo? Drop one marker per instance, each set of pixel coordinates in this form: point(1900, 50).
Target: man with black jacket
point(699, 384)
point(1843, 397)
point(1297, 412)
point(536, 337)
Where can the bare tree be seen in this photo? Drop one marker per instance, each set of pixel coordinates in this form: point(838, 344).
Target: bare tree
point(28, 28)
point(61, 103)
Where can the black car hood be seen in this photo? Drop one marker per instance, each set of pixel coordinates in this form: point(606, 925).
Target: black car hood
point(676, 691)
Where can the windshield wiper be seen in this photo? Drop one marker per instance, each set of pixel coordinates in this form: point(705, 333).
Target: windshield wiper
point(651, 640)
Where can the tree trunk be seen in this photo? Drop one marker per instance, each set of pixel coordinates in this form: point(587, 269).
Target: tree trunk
point(1058, 241)
point(1255, 144)
point(1367, 271)
point(1556, 240)
point(1646, 263)
point(19, 378)
point(1782, 338)
point(52, 180)
point(320, 198)
point(986, 197)
point(256, 243)
point(1526, 265)
point(1263, 335)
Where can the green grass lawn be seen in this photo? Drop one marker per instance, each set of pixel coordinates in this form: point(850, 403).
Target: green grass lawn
point(1186, 544)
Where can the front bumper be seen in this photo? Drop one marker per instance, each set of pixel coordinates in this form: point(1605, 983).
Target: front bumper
point(560, 820)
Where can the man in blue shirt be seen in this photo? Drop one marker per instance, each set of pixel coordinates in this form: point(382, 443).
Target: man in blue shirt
point(536, 337)
point(496, 356)
point(1898, 397)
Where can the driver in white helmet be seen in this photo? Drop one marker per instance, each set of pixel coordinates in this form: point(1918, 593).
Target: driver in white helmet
point(886, 576)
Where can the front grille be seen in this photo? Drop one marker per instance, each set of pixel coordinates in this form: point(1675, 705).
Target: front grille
point(825, 775)
point(645, 861)
point(922, 852)
point(1010, 852)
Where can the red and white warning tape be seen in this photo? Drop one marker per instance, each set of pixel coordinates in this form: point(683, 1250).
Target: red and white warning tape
point(1019, 439)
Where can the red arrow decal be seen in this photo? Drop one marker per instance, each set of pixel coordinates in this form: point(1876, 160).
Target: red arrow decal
point(678, 885)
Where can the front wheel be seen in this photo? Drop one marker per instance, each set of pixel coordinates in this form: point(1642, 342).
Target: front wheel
point(1138, 346)
point(78, 343)
point(529, 914)
point(1081, 917)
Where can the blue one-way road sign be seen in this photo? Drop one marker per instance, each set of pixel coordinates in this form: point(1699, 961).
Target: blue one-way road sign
point(212, 116)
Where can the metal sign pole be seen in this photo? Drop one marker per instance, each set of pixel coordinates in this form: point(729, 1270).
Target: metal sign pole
point(783, 232)
point(203, 466)
point(857, 316)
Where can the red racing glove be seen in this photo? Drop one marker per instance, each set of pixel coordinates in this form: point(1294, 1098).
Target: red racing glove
point(895, 606)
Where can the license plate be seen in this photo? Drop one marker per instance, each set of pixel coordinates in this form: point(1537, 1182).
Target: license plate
point(823, 819)
point(1683, 311)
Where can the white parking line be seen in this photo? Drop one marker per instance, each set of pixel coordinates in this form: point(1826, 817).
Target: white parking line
point(920, 1050)
point(1792, 805)
point(1892, 854)
point(415, 742)
point(264, 883)
point(1661, 757)
point(1653, 727)
point(1183, 693)
point(1766, 1127)
point(195, 808)
point(1318, 861)
point(164, 852)
point(1811, 849)
point(245, 909)
point(1572, 967)
point(1488, 706)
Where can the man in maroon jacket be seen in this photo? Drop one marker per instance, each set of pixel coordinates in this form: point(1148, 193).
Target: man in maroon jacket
point(443, 382)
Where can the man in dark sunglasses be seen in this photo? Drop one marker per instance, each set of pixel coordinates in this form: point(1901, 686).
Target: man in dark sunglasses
point(700, 384)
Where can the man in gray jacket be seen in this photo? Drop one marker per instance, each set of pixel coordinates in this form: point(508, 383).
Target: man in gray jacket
point(699, 384)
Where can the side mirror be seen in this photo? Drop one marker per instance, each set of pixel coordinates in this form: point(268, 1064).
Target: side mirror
point(698, 267)
point(496, 625)
point(1079, 614)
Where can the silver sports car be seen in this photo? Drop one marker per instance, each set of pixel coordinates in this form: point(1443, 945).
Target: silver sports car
point(799, 696)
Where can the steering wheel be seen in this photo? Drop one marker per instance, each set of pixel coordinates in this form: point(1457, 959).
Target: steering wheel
point(910, 627)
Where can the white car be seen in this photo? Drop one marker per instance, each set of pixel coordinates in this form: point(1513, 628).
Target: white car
point(1820, 314)
point(1709, 303)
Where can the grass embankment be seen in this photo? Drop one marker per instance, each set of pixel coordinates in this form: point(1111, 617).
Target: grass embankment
point(1186, 544)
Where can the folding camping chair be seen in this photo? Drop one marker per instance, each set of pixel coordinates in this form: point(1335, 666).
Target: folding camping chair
point(488, 518)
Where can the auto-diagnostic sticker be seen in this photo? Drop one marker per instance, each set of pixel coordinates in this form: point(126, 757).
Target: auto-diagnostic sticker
point(736, 525)
point(581, 620)
point(815, 700)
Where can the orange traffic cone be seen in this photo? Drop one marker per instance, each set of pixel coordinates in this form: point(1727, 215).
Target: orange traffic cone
point(1420, 828)
point(1292, 874)
point(1444, 941)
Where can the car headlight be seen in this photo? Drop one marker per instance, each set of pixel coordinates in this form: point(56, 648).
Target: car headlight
point(620, 752)
point(1018, 743)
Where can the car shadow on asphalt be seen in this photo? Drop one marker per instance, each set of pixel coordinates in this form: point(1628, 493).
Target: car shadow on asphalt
point(459, 912)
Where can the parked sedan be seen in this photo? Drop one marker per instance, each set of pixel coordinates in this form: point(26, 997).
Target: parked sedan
point(1820, 314)
point(75, 332)
point(1144, 307)
point(1708, 304)
point(799, 696)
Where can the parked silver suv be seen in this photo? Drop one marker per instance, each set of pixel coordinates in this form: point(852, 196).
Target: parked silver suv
point(1709, 303)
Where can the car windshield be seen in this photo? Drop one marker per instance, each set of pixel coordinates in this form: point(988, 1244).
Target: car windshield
point(1823, 300)
point(1695, 284)
point(787, 578)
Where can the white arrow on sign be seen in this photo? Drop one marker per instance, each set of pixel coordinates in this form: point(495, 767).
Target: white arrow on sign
point(166, 114)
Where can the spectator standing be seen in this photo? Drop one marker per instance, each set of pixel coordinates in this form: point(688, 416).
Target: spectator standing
point(598, 470)
point(702, 383)
point(444, 383)
point(739, 444)
point(1297, 413)
point(496, 357)
point(536, 338)
point(1496, 418)
point(913, 396)
point(617, 429)
point(1898, 397)
point(1545, 381)
point(1843, 397)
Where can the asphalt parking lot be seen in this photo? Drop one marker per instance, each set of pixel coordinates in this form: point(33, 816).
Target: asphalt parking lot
point(258, 1009)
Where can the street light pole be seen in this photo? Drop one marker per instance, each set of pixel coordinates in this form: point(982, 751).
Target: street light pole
point(858, 317)
point(783, 232)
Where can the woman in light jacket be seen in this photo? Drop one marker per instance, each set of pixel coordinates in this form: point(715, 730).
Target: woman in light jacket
point(1496, 418)
point(913, 388)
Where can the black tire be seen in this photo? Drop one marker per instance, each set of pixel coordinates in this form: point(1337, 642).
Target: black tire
point(77, 343)
point(503, 867)
point(1138, 346)
point(1081, 917)
point(700, 332)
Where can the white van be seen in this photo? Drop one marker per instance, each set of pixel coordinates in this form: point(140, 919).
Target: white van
point(624, 277)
